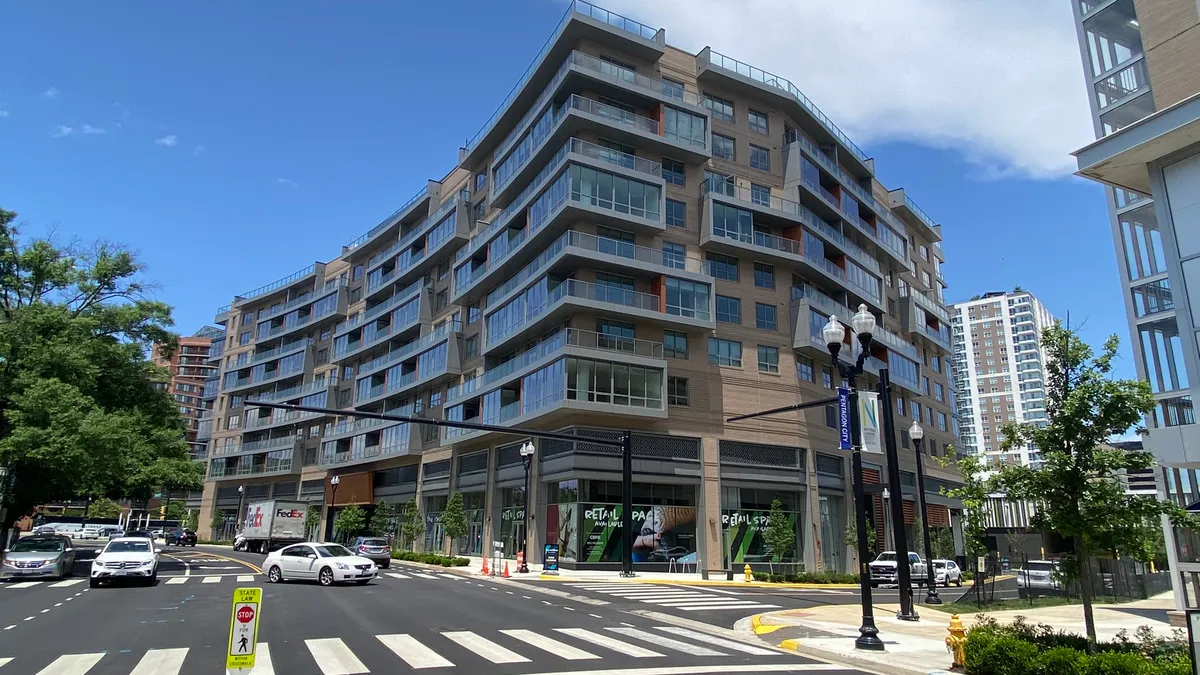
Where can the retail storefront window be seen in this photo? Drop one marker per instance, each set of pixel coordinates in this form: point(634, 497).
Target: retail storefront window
point(833, 532)
point(434, 535)
point(584, 518)
point(474, 506)
point(745, 514)
point(512, 519)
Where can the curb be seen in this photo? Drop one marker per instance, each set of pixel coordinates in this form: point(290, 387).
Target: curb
point(854, 661)
point(699, 582)
point(761, 628)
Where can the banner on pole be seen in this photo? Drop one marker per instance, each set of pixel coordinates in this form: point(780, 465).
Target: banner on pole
point(868, 418)
point(844, 418)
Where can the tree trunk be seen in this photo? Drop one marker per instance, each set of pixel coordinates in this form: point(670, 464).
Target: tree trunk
point(1085, 593)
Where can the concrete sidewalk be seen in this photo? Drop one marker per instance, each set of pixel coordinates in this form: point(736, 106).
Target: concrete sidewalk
point(918, 647)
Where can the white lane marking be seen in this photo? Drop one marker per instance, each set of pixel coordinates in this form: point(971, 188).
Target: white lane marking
point(71, 664)
point(70, 599)
point(448, 576)
point(10, 627)
point(748, 605)
point(706, 670)
point(177, 580)
point(243, 578)
point(423, 575)
point(7, 658)
point(160, 662)
point(262, 662)
point(485, 647)
point(670, 596)
point(711, 600)
point(45, 610)
point(415, 654)
point(333, 657)
point(526, 597)
point(509, 592)
point(65, 583)
point(569, 609)
point(28, 618)
point(25, 584)
point(551, 645)
point(718, 641)
point(212, 580)
point(397, 575)
point(665, 642)
point(717, 590)
point(58, 604)
point(595, 616)
point(608, 642)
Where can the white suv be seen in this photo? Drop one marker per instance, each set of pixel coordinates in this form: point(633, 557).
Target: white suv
point(126, 558)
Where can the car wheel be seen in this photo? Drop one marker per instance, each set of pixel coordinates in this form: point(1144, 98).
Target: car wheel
point(958, 582)
point(274, 575)
point(386, 565)
point(325, 577)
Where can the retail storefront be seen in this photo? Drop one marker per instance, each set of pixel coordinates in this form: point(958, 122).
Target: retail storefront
point(745, 516)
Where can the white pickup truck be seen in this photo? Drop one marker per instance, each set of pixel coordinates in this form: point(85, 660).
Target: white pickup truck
point(884, 570)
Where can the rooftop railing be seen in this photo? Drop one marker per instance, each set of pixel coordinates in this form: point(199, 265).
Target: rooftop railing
point(274, 285)
point(388, 221)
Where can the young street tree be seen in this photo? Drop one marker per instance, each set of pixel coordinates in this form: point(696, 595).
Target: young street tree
point(380, 524)
point(350, 521)
point(412, 523)
point(1077, 490)
point(780, 534)
point(80, 414)
point(454, 519)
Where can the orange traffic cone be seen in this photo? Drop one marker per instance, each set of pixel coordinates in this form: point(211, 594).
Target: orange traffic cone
point(506, 569)
point(484, 572)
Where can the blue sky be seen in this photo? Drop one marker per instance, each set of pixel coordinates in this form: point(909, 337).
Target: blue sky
point(234, 143)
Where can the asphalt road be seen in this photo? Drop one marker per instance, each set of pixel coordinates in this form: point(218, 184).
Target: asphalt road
point(416, 619)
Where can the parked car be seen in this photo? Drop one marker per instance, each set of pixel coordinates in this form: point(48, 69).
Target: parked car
point(327, 563)
point(181, 537)
point(376, 549)
point(1038, 577)
point(110, 532)
point(885, 571)
point(126, 558)
point(38, 556)
point(145, 534)
point(946, 572)
point(43, 530)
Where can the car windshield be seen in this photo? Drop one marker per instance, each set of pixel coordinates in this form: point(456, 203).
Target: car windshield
point(332, 551)
point(127, 547)
point(1040, 566)
point(886, 557)
point(374, 542)
point(37, 546)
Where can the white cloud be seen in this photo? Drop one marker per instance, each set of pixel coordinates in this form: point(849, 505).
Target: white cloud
point(3, 111)
point(287, 183)
point(198, 150)
point(63, 130)
point(999, 82)
point(91, 130)
point(52, 92)
point(168, 141)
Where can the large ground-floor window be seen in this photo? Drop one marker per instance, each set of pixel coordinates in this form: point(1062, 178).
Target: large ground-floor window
point(584, 518)
point(745, 516)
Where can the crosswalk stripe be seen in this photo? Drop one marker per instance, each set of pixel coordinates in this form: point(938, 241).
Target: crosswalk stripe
point(177, 580)
point(608, 642)
point(397, 575)
point(485, 647)
point(212, 580)
point(4, 661)
point(668, 596)
point(333, 657)
point(71, 664)
point(415, 654)
point(25, 584)
point(160, 662)
point(448, 576)
point(243, 578)
point(666, 642)
point(551, 645)
point(66, 582)
point(703, 600)
point(262, 661)
point(744, 605)
point(718, 641)
point(423, 575)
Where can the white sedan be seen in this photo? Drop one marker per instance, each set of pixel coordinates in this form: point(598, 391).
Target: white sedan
point(327, 563)
point(126, 558)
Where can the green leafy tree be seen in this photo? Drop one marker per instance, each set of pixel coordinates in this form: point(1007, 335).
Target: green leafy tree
point(973, 493)
point(780, 534)
point(454, 519)
point(382, 520)
point(412, 523)
point(350, 521)
point(852, 538)
point(177, 511)
point(941, 540)
point(103, 508)
point(1077, 490)
point(217, 524)
point(312, 519)
point(192, 522)
point(80, 410)
point(918, 533)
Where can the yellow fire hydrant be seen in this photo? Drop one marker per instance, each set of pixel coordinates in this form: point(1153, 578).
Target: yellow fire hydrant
point(956, 642)
point(749, 573)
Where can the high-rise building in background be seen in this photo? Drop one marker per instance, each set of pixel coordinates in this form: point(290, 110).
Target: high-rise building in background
point(1140, 63)
point(190, 368)
point(639, 238)
point(999, 371)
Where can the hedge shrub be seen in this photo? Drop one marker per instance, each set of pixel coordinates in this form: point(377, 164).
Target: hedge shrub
point(1021, 648)
point(431, 558)
point(807, 578)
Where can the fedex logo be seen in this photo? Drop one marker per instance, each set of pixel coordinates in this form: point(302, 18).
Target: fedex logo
point(254, 518)
point(289, 513)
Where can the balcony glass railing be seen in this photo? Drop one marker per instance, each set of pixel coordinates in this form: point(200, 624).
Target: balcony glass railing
point(409, 316)
point(919, 213)
point(439, 334)
point(398, 299)
point(761, 76)
point(280, 417)
point(927, 302)
point(224, 309)
point(300, 390)
point(275, 285)
point(831, 166)
point(271, 465)
point(583, 290)
point(256, 446)
point(374, 231)
point(281, 350)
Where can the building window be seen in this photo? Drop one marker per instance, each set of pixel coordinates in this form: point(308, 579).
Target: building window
point(325, 334)
point(473, 313)
point(764, 316)
point(677, 391)
point(760, 158)
point(724, 352)
point(314, 431)
point(357, 273)
point(827, 377)
point(939, 392)
point(764, 275)
point(768, 359)
point(729, 310)
point(674, 255)
point(675, 345)
point(674, 171)
point(247, 318)
point(244, 338)
point(672, 88)
point(760, 194)
point(435, 398)
point(723, 266)
point(831, 416)
point(322, 356)
point(723, 147)
point(234, 422)
point(676, 213)
point(721, 109)
point(687, 298)
point(936, 364)
point(804, 368)
point(471, 347)
point(924, 253)
point(442, 299)
point(916, 410)
point(356, 295)
point(443, 270)
point(758, 121)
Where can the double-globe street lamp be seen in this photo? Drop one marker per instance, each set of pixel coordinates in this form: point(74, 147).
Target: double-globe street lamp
point(834, 334)
point(527, 451)
point(916, 433)
point(333, 484)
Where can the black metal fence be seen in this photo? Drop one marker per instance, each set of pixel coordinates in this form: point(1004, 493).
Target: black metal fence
point(1015, 576)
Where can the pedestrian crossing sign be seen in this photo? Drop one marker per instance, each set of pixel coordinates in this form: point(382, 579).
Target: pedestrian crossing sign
point(243, 629)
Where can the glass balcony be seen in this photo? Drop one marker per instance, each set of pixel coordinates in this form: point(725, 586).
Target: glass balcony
point(281, 350)
point(387, 222)
point(420, 230)
point(298, 391)
point(403, 320)
point(406, 294)
point(395, 439)
point(290, 279)
point(256, 446)
point(844, 177)
point(440, 334)
point(275, 463)
point(278, 418)
point(926, 302)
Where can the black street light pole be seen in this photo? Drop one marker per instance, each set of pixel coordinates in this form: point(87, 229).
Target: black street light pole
point(916, 433)
point(333, 483)
point(903, 569)
point(527, 451)
point(627, 505)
